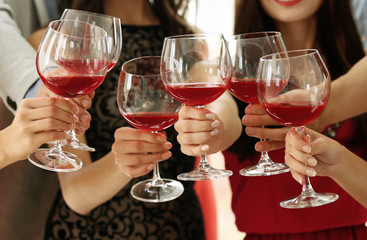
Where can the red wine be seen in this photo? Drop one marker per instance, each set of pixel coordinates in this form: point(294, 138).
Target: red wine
point(295, 114)
point(72, 86)
point(154, 121)
point(244, 90)
point(111, 64)
point(196, 94)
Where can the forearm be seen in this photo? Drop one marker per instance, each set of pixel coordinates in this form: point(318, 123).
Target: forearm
point(346, 95)
point(227, 111)
point(93, 185)
point(5, 160)
point(353, 176)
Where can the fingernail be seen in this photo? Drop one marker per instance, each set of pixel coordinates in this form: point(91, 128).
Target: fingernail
point(204, 148)
point(306, 149)
point(260, 147)
point(167, 145)
point(84, 118)
point(210, 115)
point(214, 132)
point(310, 172)
point(246, 121)
point(161, 138)
point(75, 109)
point(166, 155)
point(250, 130)
point(85, 103)
point(75, 118)
point(215, 124)
point(312, 162)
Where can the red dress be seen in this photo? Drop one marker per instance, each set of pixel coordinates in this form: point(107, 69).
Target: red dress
point(255, 202)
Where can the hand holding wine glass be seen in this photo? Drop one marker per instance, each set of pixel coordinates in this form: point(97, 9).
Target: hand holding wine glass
point(246, 50)
point(72, 61)
point(196, 70)
point(145, 104)
point(294, 88)
point(112, 26)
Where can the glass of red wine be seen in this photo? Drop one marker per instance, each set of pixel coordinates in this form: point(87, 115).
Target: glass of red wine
point(71, 61)
point(145, 104)
point(112, 26)
point(294, 87)
point(246, 50)
point(196, 70)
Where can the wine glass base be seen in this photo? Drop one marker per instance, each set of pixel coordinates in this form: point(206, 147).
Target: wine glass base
point(204, 174)
point(67, 162)
point(309, 200)
point(76, 144)
point(145, 191)
point(265, 169)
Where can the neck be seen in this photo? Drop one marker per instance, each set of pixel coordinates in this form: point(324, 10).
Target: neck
point(299, 35)
point(131, 12)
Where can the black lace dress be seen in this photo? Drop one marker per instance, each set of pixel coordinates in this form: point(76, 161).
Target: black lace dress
point(123, 217)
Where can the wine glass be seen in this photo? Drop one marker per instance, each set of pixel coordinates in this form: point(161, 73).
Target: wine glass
point(246, 50)
point(72, 61)
point(196, 70)
point(145, 104)
point(112, 26)
point(294, 88)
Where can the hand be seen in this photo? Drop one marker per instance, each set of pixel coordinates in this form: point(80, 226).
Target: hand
point(83, 103)
point(314, 154)
point(254, 120)
point(136, 150)
point(37, 121)
point(200, 131)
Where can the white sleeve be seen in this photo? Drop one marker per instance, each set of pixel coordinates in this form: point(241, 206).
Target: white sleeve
point(17, 61)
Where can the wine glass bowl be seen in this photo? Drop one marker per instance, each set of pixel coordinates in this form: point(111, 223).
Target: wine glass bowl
point(71, 61)
point(246, 50)
point(196, 70)
point(145, 103)
point(294, 88)
point(112, 26)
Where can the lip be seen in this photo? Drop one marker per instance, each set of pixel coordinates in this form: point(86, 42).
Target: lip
point(287, 3)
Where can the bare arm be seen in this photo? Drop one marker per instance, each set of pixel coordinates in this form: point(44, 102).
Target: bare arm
point(319, 155)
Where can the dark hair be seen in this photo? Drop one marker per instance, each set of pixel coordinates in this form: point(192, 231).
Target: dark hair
point(337, 39)
point(170, 12)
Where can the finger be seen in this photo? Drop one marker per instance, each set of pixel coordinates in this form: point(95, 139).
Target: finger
point(126, 133)
point(191, 126)
point(49, 136)
point(48, 124)
point(195, 138)
point(138, 159)
point(84, 102)
point(63, 104)
point(188, 112)
point(298, 166)
point(269, 145)
point(255, 109)
point(294, 141)
point(194, 150)
point(137, 171)
point(300, 178)
point(275, 134)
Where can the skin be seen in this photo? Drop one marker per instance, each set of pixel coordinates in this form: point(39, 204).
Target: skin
point(326, 157)
point(37, 121)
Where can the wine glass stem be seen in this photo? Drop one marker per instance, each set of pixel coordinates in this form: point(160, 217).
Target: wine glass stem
point(264, 157)
point(156, 180)
point(307, 188)
point(203, 164)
